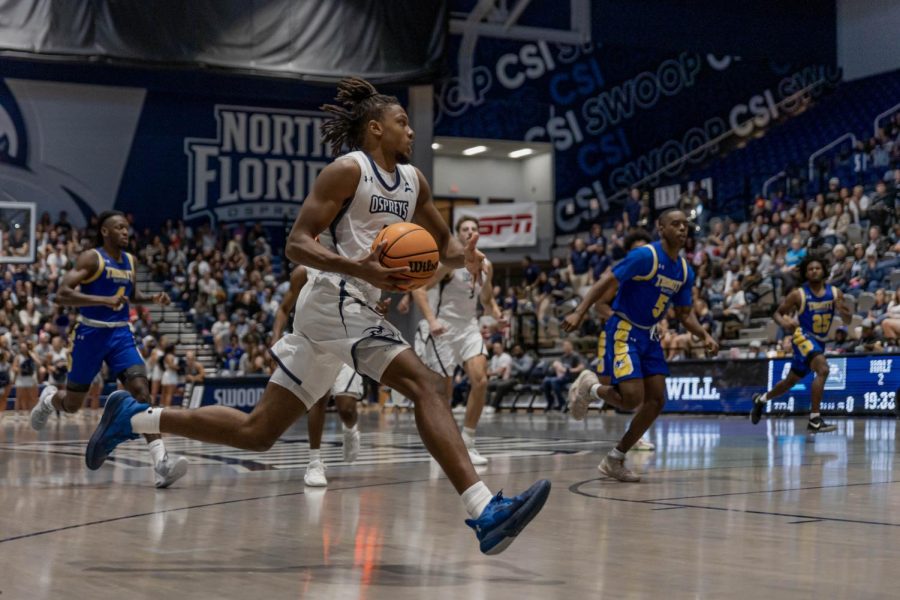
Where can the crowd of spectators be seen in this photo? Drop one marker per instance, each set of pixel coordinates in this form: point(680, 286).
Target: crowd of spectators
point(229, 283)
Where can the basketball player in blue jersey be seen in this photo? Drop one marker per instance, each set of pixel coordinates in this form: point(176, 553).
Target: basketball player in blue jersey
point(337, 321)
point(647, 281)
point(102, 285)
point(814, 305)
point(580, 396)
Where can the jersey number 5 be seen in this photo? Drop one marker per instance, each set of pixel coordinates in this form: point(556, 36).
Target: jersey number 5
point(660, 305)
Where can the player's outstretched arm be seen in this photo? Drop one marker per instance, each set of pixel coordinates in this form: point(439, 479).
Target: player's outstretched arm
point(86, 266)
point(843, 309)
point(688, 318)
point(788, 307)
point(488, 302)
point(337, 182)
point(453, 253)
point(139, 297)
point(605, 287)
point(420, 297)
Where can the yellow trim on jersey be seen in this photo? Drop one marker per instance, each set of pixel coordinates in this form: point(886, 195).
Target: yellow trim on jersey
point(131, 264)
point(622, 365)
point(601, 352)
point(834, 294)
point(71, 345)
point(99, 270)
point(652, 272)
point(684, 268)
point(802, 300)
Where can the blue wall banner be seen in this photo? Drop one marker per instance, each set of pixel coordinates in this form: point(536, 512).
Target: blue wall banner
point(856, 385)
point(160, 144)
point(236, 392)
point(630, 103)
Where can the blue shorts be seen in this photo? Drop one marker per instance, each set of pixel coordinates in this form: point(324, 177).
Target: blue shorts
point(806, 348)
point(91, 346)
point(632, 352)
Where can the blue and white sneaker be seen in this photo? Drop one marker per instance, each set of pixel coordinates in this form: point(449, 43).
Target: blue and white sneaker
point(114, 428)
point(504, 518)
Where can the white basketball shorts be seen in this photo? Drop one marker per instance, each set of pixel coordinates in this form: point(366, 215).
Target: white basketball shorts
point(454, 347)
point(333, 327)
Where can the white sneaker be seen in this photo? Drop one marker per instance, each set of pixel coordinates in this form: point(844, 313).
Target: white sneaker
point(488, 410)
point(580, 394)
point(168, 471)
point(459, 409)
point(475, 456)
point(43, 409)
point(616, 469)
point(351, 444)
point(644, 445)
point(315, 474)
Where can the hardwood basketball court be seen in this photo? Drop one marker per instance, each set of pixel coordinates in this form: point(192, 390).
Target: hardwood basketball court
point(725, 510)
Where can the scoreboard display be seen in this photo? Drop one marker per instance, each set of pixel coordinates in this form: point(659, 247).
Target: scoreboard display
point(856, 385)
point(859, 384)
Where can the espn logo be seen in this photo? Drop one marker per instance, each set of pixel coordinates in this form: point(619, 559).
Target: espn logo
point(521, 223)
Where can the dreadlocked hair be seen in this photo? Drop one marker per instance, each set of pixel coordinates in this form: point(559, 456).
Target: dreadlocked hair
point(357, 103)
point(811, 258)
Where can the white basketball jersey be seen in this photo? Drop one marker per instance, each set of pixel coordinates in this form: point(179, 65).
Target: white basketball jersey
point(381, 199)
point(455, 299)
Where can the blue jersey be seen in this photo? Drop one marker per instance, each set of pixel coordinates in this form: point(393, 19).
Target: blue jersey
point(816, 312)
point(649, 281)
point(112, 278)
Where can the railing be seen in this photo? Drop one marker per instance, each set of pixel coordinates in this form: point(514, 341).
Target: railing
point(826, 148)
point(713, 142)
point(770, 181)
point(886, 113)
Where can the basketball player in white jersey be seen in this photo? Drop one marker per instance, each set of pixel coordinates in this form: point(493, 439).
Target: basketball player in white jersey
point(347, 390)
point(451, 332)
point(337, 323)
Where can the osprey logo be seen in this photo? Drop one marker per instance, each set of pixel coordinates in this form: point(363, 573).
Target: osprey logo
point(380, 331)
point(13, 141)
point(380, 204)
point(259, 166)
point(691, 388)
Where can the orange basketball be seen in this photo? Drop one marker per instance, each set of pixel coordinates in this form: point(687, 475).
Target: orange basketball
point(408, 245)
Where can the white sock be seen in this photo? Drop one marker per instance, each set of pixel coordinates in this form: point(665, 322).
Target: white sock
point(476, 498)
point(594, 389)
point(814, 416)
point(345, 428)
point(157, 451)
point(468, 436)
point(315, 455)
point(617, 454)
point(146, 421)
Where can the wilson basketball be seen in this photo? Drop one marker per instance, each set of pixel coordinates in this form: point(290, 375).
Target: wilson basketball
point(408, 245)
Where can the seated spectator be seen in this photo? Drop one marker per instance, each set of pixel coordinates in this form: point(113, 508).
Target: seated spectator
point(579, 270)
point(530, 273)
point(796, 253)
point(872, 274)
point(841, 344)
point(500, 378)
point(562, 372)
point(880, 306)
point(868, 338)
point(890, 321)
